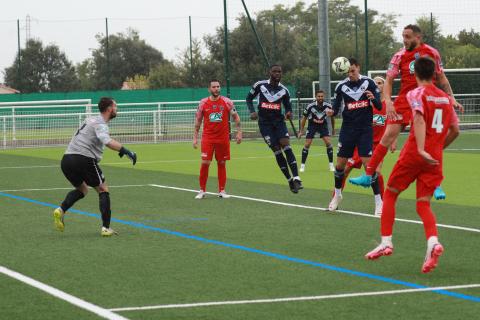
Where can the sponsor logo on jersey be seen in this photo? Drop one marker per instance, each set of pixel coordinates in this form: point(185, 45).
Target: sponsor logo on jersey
point(358, 104)
point(411, 66)
point(438, 100)
point(270, 106)
point(215, 117)
point(379, 120)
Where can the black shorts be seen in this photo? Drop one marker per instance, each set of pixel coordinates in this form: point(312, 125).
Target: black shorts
point(322, 129)
point(349, 138)
point(273, 131)
point(78, 169)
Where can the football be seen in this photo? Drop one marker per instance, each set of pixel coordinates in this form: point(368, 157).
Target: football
point(340, 65)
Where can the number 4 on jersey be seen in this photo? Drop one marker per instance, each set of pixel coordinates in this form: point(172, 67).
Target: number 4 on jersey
point(437, 120)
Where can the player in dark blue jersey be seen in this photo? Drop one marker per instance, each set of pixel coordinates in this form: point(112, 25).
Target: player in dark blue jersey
point(359, 95)
point(316, 114)
point(271, 121)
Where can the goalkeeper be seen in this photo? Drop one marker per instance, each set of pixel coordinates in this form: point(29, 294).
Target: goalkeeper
point(80, 164)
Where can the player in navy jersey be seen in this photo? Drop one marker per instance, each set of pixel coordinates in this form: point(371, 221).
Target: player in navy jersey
point(316, 114)
point(359, 95)
point(271, 121)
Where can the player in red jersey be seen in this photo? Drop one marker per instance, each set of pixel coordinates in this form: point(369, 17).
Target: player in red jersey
point(399, 113)
point(434, 127)
point(215, 112)
point(379, 119)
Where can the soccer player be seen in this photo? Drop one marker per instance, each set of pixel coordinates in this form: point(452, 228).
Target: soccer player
point(215, 112)
point(271, 94)
point(435, 126)
point(80, 164)
point(316, 114)
point(399, 113)
point(358, 93)
point(378, 123)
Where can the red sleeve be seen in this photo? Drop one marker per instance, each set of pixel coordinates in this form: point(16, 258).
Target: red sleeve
point(199, 113)
point(438, 61)
point(394, 66)
point(414, 98)
point(229, 104)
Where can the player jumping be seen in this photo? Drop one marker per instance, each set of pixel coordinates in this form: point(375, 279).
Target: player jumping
point(271, 94)
point(316, 113)
point(215, 111)
point(434, 127)
point(399, 113)
point(358, 93)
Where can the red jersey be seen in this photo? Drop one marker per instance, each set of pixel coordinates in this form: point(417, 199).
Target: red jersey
point(437, 110)
point(215, 119)
point(403, 63)
point(379, 120)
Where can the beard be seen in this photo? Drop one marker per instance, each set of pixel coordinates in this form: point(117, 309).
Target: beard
point(113, 115)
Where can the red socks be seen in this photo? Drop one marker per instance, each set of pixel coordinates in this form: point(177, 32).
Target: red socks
point(388, 212)
point(203, 176)
point(377, 157)
point(428, 218)
point(222, 175)
point(381, 184)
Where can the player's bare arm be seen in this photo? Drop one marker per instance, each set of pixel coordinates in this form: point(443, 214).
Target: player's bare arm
point(117, 146)
point(452, 134)
point(302, 126)
point(420, 132)
point(444, 84)
point(198, 123)
point(236, 118)
point(387, 91)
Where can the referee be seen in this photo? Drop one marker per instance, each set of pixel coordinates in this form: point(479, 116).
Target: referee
point(80, 164)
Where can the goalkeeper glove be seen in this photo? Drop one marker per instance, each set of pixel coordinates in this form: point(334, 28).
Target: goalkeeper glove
point(130, 154)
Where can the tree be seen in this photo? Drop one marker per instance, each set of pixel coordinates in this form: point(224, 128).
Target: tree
point(42, 69)
point(165, 75)
point(128, 56)
point(431, 29)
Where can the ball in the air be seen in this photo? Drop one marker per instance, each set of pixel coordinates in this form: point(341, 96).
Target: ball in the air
point(341, 65)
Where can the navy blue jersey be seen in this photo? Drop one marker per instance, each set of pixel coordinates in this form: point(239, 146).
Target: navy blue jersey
point(358, 112)
point(316, 113)
point(270, 99)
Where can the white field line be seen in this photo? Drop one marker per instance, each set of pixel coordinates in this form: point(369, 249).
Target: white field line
point(70, 188)
point(290, 299)
point(104, 313)
point(319, 208)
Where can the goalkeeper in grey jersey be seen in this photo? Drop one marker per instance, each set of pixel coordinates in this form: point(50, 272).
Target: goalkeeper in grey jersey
point(80, 163)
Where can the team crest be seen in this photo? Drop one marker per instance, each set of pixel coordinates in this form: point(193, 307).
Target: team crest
point(215, 117)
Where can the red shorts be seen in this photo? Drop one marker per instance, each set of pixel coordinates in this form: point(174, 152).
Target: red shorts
point(356, 161)
point(221, 150)
point(427, 180)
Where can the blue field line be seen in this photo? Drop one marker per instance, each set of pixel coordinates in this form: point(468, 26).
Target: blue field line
point(257, 251)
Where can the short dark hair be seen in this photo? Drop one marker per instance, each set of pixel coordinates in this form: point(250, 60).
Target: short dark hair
point(274, 65)
point(415, 28)
point(213, 80)
point(319, 91)
point(104, 103)
point(354, 61)
point(424, 68)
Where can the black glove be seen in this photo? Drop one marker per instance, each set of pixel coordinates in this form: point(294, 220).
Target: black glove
point(130, 154)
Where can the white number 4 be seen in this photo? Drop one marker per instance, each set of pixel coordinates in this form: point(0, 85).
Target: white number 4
point(437, 120)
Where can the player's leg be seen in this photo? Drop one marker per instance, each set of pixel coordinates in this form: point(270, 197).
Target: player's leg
point(354, 162)
point(325, 135)
point(400, 178)
point(222, 154)
point(391, 133)
point(207, 150)
point(426, 184)
point(306, 148)
point(72, 167)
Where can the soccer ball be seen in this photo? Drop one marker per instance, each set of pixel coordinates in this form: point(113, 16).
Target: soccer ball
point(341, 65)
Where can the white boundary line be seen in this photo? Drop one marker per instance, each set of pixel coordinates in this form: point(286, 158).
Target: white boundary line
point(104, 313)
point(70, 188)
point(323, 297)
point(319, 208)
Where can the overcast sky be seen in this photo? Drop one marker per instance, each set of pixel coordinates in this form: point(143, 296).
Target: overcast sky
point(72, 25)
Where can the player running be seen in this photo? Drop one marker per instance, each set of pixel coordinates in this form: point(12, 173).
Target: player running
point(378, 123)
point(271, 94)
point(359, 93)
point(399, 113)
point(316, 113)
point(434, 127)
point(80, 164)
point(215, 111)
